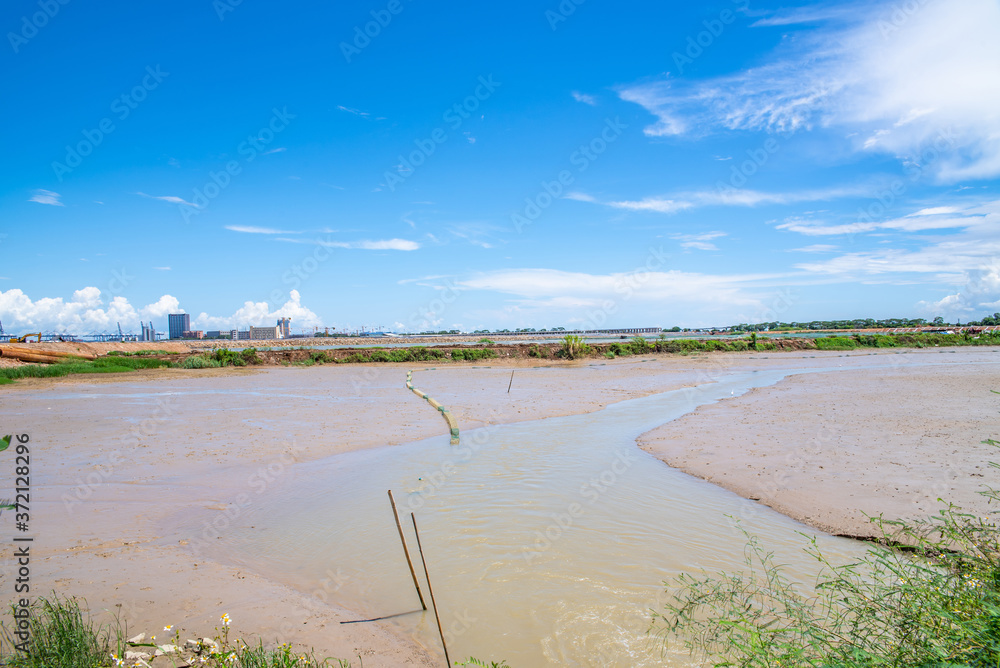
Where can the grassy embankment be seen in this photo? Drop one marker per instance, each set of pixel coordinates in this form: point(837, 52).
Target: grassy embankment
point(572, 347)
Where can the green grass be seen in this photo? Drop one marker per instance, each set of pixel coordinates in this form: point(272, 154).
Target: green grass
point(137, 353)
point(836, 343)
point(73, 366)
point(471, 354)
point(61, 635)
point(933, 602)
point(222, 357)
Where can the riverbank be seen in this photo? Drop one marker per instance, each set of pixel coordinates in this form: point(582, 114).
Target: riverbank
point(115, 456)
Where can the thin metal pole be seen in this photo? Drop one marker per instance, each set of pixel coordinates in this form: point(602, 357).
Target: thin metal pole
point(413, 574)
point(511, 382)
point(430, 590)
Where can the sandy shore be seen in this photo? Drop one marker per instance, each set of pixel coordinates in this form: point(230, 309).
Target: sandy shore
point(832, 450)
point(115, 455)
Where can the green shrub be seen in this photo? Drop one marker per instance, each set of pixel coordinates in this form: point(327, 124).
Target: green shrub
point(200, 362)
point(639, 345)
point(537, 351)
point(836, 343)
point(573, 346)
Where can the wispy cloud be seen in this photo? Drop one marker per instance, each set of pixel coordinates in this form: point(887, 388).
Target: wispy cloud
point(46, 197)
point(814, 248)
point(811, 14)
point(162, 268)
point(173, 199)
point(384, 244)
point(251, 229)
point(726, 197)
point(586, 99)
point(351, 110)
point(896, 87)
point(556, 289)
point(699, 241)
point(280, 149)
point(936, 218)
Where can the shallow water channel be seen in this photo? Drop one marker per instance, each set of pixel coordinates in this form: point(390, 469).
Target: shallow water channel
point(547, 542)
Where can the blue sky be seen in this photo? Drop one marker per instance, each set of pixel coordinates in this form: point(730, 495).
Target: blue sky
point(416, 165)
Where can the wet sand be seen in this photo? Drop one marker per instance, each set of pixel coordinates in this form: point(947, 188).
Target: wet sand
point(834, 450)
point(115, 455)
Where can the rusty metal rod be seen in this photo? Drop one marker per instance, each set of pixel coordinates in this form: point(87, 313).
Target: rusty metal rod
point(431, 591)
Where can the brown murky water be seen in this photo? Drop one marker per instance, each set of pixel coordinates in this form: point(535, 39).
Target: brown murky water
point(547, 542)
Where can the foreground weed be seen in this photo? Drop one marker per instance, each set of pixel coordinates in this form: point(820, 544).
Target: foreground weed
point(927, 596)
point(61, 636)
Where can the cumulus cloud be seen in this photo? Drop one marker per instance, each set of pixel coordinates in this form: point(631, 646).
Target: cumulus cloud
point(84, 313)
point(980, 293)
point(260, 314)
point(899, 81)
point(87, 312)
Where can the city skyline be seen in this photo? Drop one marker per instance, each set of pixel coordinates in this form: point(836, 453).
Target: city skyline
point(435, 167)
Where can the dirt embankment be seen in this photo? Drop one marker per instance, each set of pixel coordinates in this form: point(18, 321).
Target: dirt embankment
point(270, 353)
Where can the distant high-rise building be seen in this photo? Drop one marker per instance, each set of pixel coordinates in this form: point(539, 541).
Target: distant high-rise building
point(285, 327)
point(178, 323)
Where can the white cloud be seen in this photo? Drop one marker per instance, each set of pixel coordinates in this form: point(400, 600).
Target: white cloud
point(586, 99)
point(899, 83)
point(250, 229)
point(173, 199)
point(956, 258)
point(563, 289)
point(162, 268)
point(699, 241)
point(935, 211)
point(259, 314)
point(161, 307)
point(725, 196)
point(815, 248)
point(800, 15)
point(382, 244)
point(980, 293)
point(84, 313)
point(46, 197)
point(657, 204)
point(356, 112)
point(934, 218)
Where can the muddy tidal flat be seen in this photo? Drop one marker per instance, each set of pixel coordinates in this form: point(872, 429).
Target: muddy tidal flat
point(157, 491)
